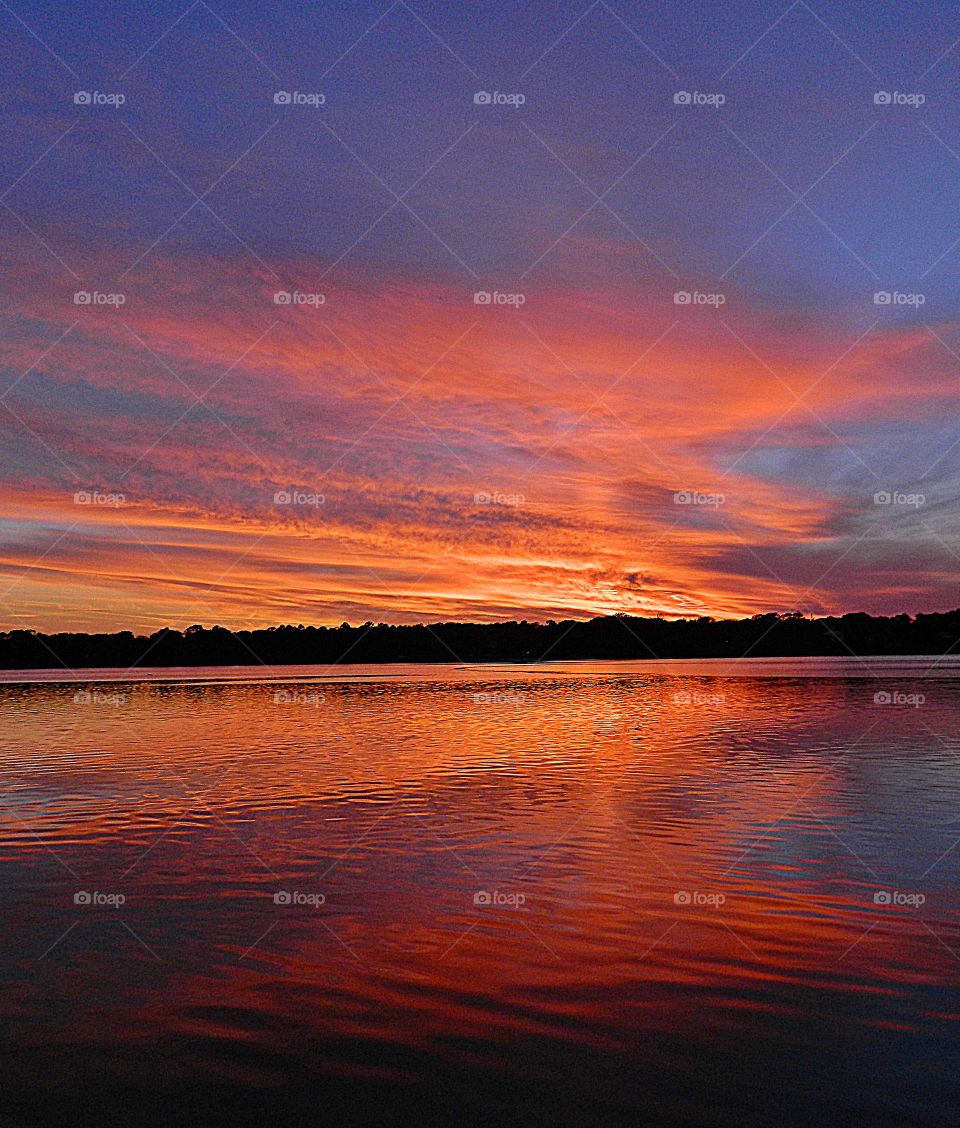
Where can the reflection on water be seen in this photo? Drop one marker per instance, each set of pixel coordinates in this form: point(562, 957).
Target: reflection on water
point(615, 893)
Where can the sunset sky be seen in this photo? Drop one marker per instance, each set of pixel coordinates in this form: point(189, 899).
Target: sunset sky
point(184, 447)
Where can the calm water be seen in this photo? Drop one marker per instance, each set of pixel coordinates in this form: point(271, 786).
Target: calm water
point(607, 894)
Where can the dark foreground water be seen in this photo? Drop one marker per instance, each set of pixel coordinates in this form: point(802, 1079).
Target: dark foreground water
point(592, 894)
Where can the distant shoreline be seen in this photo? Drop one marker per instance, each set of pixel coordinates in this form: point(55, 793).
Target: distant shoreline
point(847, 668)
point(617, 637)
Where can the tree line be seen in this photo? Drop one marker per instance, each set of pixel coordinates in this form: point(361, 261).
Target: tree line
point(789, 634)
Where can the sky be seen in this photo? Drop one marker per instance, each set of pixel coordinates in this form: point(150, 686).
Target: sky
point(416, 311)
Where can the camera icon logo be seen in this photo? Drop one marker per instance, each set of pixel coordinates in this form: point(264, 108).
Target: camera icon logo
point(682, 297)
point(882, 297)
point(82, 98)
point(82, 297)
point(282, 297)
point(482, 297)
point(682, 98)
point(282, 497)
point(882, 898)
point(681, 898)
point(882, 697)
point(281, 898)
point(82, 898)
point(882, 98)
point(882, 497)
point(282, 98)
point(482, 98)
point(482, 897)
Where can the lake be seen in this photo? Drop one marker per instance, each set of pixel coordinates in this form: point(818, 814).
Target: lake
point(604, 893)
